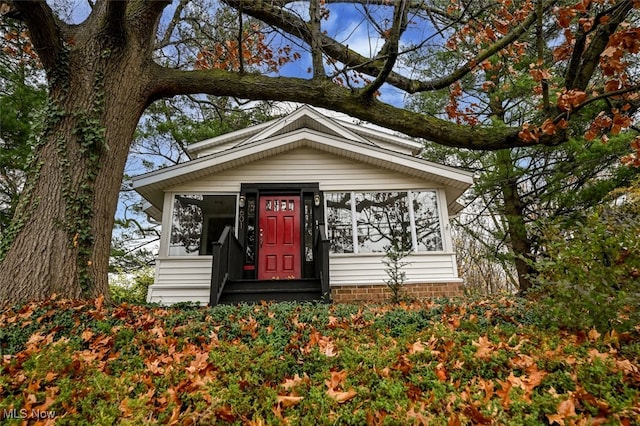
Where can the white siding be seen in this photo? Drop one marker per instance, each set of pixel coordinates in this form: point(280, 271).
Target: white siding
point(334, 173)
point(181, 279)
point(188, 278)
point(422, 267)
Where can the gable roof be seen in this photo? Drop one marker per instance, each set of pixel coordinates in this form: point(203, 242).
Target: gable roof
point(304, 117)
point(303, 128)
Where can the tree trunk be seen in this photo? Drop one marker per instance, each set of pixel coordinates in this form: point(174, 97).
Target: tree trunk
point(61, 233)
point(514, 213)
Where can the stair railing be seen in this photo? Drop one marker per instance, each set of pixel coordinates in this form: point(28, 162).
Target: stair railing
point(321, 255)
point(226, 264)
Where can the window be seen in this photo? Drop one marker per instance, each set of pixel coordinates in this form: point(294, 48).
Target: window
point(382, 220)
point(198, 221)
point(410, 220)
point(339, 222)
point(427, 221)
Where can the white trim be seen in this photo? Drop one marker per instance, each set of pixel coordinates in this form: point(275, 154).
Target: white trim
point(392, 139)
point(354, 225)
point(227, 137)
point(412, 222)
point(172, 196)
point(445, 232)
point(150, 185)
point(167, 216)
point(378, 254)
point(305, 111)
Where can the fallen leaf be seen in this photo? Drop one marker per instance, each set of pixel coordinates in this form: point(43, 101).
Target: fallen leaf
point(441, 373)
point(417, 347)
point(337, 377)
point(593, 335)
point(566, 408)
point(477, 416)
point(289, 401)
point(296, 381)
point(342, 397)
point(87, 335)
point(485, 347)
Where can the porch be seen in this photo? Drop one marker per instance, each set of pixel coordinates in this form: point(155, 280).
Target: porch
point(229, 286)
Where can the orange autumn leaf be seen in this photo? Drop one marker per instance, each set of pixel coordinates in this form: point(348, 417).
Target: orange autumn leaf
point(287, 401)
point(417, 347)
point(342, 396)
point(441, 373)
point(485, 347)
point(337, 378)
point(566, 409)
point(295, 381)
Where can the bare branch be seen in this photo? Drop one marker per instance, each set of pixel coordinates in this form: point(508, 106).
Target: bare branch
point(390, 48)
point(292, 24)
point(175, 19)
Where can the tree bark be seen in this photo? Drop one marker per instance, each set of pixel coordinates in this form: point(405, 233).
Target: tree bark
point(514, 214)
point(60, 238)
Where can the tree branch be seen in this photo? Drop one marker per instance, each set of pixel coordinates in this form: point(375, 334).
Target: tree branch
point(143, 17)
point(272, 15)
point(316, 39)
point(390, 48)
point(113, 22)
point(165, 82)
point(45, 30)
point(175, 19)
point(578, 76)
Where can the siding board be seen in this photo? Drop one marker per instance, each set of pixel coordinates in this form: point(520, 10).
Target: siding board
point(370, 269)
point(334, 173)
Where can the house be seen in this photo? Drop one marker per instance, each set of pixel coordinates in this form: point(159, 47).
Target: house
point(304, 207)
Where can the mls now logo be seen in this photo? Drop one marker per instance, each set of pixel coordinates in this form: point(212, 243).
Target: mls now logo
point(28, 414)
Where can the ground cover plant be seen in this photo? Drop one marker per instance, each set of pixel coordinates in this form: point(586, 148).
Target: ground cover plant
point(441, 362)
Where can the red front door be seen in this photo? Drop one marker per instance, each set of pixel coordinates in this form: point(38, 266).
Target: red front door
point(279, 238)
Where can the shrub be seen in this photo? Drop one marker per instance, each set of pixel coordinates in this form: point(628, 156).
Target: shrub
point(590, 273)
point(395, 270)
point(131, 288)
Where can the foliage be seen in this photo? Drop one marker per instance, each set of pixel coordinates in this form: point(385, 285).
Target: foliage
point(395, 269)
point(131, 288)
point(22, 98)
point(485, 361)
point(544, 182)
point(590, 270)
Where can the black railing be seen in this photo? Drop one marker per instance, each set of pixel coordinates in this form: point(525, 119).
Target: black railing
point(227, 263)
point(321, 255)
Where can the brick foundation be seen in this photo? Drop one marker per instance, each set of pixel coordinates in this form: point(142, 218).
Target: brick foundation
point(381, 293)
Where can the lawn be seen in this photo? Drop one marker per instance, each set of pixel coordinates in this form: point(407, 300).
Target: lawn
point(441, 362)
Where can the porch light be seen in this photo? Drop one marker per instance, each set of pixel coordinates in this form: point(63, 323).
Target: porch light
point(316, 199)
point(242, 200)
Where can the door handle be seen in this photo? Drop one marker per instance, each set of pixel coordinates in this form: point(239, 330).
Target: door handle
point(261, 237)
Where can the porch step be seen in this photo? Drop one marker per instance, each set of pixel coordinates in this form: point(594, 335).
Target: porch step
point(304, 290)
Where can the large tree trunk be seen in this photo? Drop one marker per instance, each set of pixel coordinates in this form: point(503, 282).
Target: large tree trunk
point(61, 236)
